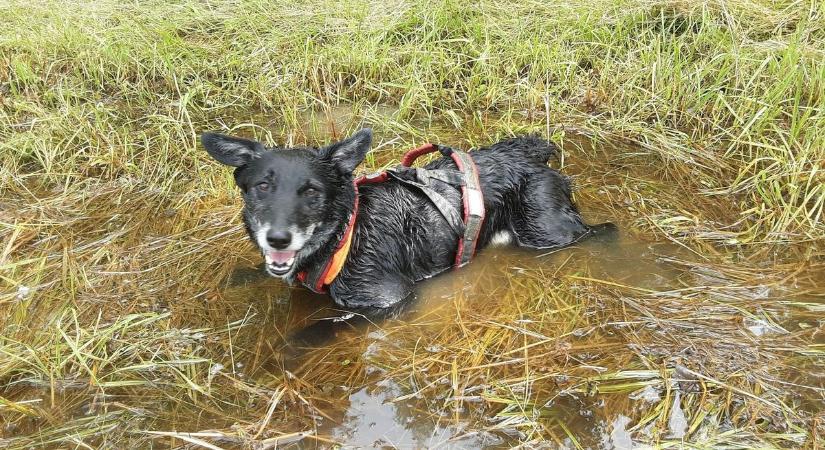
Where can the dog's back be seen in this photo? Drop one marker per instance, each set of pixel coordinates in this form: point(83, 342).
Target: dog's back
point(400, 232)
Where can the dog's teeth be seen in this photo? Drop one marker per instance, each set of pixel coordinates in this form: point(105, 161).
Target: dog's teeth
point(278, 268)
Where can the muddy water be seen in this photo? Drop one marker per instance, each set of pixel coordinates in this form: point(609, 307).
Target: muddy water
point(397, 378)
point(374, 409)
point(373, 417)
point(607, 344)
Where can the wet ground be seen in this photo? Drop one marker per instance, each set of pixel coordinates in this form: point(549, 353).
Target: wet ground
point(612, 343)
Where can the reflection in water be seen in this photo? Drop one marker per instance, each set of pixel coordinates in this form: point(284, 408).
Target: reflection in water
point(619, 437)
point(677, 424)
point(375, 419)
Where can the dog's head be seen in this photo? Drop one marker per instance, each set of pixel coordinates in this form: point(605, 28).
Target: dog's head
point(293, 198)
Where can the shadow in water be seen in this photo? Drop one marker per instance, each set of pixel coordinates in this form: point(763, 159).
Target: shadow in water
point(328, 322)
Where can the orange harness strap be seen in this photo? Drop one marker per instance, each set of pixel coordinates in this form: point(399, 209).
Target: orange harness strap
point(320, 281)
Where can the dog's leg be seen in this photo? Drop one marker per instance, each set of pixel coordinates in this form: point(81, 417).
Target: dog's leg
point(371, 290)
point(545, 216)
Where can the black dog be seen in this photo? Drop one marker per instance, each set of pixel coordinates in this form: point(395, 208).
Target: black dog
point(297, 204)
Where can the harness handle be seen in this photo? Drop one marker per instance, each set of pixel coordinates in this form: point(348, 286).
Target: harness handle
point(318, 278)
point(410, 157)
point(471, 197)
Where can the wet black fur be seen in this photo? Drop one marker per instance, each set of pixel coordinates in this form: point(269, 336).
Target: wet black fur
point(400, 236)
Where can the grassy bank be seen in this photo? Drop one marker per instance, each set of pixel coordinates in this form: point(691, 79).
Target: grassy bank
point(120, 246)
point(733, 90)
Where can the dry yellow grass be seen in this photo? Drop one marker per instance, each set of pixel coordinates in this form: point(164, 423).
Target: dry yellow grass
point(132, 314)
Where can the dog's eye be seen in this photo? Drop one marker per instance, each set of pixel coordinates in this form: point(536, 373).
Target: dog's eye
point(310, 191)
point(263, 187)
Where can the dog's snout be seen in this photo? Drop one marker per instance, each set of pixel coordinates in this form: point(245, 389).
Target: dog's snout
point(279, 240)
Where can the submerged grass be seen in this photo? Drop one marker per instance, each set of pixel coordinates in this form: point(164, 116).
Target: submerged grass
point(131, 315)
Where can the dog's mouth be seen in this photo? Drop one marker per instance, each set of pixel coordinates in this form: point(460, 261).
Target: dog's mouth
point(279, 263)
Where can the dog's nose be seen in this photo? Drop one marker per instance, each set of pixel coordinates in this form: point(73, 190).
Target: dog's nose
point(279, 240)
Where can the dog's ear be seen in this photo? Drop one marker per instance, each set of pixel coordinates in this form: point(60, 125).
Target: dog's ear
point(232, 151)
point(347, 154)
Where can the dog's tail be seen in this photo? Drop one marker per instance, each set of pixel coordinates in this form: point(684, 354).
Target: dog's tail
point(534, 148)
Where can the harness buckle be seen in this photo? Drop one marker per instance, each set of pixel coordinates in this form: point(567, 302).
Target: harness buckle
point(373, 176)
point(475, 202)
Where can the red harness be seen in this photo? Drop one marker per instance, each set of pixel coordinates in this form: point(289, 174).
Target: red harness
point(318, 280)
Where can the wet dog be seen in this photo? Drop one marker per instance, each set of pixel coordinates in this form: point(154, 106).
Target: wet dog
point(298, 201)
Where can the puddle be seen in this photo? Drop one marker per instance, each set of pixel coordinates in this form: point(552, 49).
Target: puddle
point(608, 344)
point(381, 412)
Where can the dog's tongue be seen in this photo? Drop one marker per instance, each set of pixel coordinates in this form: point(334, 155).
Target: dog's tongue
point(281, 257)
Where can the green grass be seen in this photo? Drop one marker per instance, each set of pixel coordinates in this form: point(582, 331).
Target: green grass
point(699, 124)
point(732, 89)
